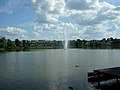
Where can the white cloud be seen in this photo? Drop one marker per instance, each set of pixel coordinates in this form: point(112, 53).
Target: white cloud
point(58, 31)
point(82, 4)
point(13, 32)
point(92, 16)
point(87, 18)
point(48, 10)
point(36, 35)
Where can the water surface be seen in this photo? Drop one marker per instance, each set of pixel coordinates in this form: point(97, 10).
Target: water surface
point(53, 69)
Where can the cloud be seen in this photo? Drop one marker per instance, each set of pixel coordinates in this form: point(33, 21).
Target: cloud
point(86, 18)
point(97, 32)
point(13, 32)
point(36, 35)
point(79, 18)
point(117, 8)
point(58, 30)
point(90, 16)
point(82, 4)
point(51, 7)
point(48, 10)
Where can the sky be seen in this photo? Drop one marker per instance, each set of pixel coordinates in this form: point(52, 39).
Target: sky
point(59, 19)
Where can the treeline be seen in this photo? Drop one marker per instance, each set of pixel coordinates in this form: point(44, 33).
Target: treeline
point(104, 43)
point(7, 44)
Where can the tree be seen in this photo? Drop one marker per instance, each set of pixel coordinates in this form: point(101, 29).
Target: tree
point(78, 43)
point(17, 42)
point(10, 44)
point(25, 43)
point(3, 42)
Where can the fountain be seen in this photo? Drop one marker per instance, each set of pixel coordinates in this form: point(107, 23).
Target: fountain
point(65, 40)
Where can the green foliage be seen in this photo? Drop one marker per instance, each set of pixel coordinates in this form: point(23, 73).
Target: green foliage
point(17, 42)
point(10, 44)
point(7, 44)
point(25, 43)
point(3, 42)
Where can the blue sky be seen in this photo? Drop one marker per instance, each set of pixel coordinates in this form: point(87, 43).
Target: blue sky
point(51, 19)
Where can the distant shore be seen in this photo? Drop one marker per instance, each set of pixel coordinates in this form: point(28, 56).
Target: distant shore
point(21, 45)
point(31, 48)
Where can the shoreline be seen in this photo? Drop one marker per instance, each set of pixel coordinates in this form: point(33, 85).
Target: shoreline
point(40, 48)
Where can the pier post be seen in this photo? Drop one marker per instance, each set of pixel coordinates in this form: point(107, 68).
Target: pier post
point(98, 79)
point(117, 80)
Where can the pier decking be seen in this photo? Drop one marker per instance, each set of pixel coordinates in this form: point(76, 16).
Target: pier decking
point(100, 75)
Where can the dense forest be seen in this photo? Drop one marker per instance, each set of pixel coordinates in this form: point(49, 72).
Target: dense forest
point(7, 44)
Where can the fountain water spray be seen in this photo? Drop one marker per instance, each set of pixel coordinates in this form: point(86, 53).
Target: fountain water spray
point(65, 39)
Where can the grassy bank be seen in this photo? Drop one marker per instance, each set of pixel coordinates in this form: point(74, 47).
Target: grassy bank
point(13, 49)
point(26, 48)
point(44, 47)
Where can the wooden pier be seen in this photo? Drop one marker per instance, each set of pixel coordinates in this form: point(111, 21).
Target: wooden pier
point(100, 75)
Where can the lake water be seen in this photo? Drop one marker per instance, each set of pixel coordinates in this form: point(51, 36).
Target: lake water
point(53, 69)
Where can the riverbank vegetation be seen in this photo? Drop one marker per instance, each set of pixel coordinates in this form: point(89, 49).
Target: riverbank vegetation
point(18, 45)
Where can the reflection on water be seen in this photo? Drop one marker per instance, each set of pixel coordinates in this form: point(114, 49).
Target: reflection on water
point(53, 69)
